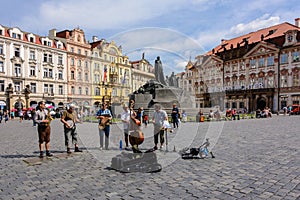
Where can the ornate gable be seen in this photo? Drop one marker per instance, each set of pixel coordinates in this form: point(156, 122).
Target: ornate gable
point(261, 49)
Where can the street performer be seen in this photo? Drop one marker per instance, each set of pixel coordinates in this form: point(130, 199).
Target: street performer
point(104, 115)
point(69, 118)
point(42, 118)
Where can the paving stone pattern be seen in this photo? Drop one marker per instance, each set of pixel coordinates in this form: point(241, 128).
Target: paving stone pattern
point(255, 159)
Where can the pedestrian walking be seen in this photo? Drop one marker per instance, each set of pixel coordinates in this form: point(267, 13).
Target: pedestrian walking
point(44, 130)
point(69, 120)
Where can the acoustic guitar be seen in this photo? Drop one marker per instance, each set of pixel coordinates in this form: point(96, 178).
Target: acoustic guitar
point(104, 121)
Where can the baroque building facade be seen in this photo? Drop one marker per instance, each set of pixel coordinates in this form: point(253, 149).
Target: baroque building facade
point(64, 68)
point(110, 73)
point(78, 66)
point(253, 71)
point(141, 72)
point(31, 64)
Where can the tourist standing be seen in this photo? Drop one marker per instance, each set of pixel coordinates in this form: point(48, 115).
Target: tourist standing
point(158, 118)
point(69, 119)
point(125, 117)
point(104, 115)
point(43, 128)
point(175, 115)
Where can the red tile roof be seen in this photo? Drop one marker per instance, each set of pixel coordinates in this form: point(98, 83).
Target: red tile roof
point(254, 37)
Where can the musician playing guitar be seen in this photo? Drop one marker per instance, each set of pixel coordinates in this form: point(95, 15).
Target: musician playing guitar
point(69, 118)
point(104, 115)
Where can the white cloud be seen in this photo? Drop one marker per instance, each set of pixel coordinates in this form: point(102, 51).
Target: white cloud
point(212, 38)
point(265, 21)
point(103, 14)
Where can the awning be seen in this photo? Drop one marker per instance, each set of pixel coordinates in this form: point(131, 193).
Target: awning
point(2, 103)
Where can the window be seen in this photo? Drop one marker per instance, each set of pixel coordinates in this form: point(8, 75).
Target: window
point(296, 79)
point(79, 51)
point(86, 64)
point(261, 62)
point(51, 89)
point(31, 39)
point(1, 85)
point(50, 73)
point(97, 91)
point(60, 90)
point(60, 60)
point(86, 76)
point(45, 72)
point(47, 57)
point(17, 86)
point(253, 64)
point(242, 105)
point(271, 81)
point(80, 90)
point(72, 90)
point(79, 63)
point(72, 49)
point(270, 61)
point(33, 87)
point(72, 75)
point(46, 88)
point(1, 66)
point(79, 76)
point(72, 61)
point(18, 70)
point(283, 59)
point(1, 49)
point(17, 52)
point(283, 81)
point(97, 78)
point(60, 74)
point(86, 91)
point(233, 104)
point(290, 38)
point(32, 71)
point(32, 55)
point(295, 56)
point(86, 53)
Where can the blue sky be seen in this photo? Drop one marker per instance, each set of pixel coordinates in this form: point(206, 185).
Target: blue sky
point(175, 30)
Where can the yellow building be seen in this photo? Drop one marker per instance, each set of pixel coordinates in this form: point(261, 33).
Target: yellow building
point(110, 73)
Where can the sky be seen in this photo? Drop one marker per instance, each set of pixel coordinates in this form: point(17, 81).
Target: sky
point(175, 30)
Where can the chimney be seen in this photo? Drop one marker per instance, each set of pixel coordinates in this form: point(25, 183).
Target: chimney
point(52, 33)
point(297, 22)
point(95, 39)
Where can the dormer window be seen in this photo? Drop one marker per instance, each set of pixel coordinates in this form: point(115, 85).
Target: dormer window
point(31, 39)
point(290, 38)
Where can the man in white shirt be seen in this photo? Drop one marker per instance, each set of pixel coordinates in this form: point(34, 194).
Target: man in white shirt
point(158, 118)
point(125, 117)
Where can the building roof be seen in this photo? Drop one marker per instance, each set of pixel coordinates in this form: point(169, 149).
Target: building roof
point(254, 37)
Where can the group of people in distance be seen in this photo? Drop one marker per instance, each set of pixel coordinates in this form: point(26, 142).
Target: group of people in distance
point(131, 119)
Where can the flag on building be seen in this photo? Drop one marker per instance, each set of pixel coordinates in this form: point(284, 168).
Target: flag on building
point(104, 75)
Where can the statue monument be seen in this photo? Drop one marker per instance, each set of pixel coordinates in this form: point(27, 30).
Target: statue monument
point(159, 73)
point(165, 92)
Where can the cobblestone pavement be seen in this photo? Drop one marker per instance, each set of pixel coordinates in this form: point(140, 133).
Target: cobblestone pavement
point(255, 159)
